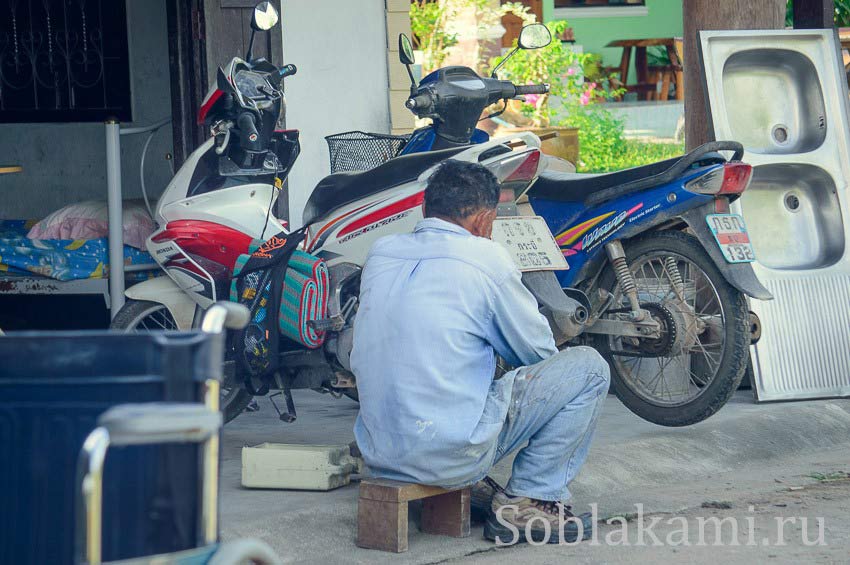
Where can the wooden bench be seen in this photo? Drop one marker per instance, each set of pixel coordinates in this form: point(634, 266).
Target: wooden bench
point(382, 513)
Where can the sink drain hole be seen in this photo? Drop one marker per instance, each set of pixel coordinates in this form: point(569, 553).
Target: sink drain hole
point(780, 134)
point(792, 202)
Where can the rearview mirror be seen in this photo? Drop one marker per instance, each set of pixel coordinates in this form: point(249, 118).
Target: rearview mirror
point(405, 50)
point(265, 17)
point(534, 36)
point(405, 55)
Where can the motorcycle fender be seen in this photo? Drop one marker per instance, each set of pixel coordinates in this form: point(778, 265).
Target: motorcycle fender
point(739, 275)
point(165, 291)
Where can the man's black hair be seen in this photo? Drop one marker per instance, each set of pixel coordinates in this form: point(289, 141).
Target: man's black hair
point(457, 190)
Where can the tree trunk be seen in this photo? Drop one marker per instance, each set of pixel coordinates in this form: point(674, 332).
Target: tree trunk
point(713, 15)
point(813, 14)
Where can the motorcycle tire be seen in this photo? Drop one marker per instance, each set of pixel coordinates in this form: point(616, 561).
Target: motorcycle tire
point(735, 331)
point(143, 315)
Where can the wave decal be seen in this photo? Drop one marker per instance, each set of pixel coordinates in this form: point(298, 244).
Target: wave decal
point(570, 243)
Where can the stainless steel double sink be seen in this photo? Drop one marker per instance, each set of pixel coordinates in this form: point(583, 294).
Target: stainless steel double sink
point(783, 95)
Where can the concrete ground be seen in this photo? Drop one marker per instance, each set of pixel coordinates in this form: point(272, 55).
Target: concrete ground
point(824, 503)
point(784, 459)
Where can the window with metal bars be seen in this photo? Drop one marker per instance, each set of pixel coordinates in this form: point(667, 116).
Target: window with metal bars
point(64, 61)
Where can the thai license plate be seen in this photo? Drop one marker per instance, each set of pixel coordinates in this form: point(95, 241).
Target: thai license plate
point(530, 243)
point(731, 235)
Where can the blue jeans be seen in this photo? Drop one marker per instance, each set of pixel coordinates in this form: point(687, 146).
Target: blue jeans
point(554, 407)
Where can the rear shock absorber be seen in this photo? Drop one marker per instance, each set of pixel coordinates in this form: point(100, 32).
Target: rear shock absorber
point(617, 256)
point(672, 269)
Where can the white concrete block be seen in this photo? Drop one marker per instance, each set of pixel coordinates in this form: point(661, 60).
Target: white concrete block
point(297, 467)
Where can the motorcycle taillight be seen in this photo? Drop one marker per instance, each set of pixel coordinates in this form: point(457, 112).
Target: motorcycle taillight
point(525, 169)
point(517, 172)
point(731, 178)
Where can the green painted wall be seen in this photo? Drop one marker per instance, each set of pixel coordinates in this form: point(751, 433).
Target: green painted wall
point(664, 20)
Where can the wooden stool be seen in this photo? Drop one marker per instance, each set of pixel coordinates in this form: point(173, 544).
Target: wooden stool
point(382, 513)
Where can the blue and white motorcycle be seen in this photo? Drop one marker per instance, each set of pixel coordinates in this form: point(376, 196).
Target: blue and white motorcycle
point(653, 253)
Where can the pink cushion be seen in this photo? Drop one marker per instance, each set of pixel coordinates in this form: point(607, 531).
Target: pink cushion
point(89, 220)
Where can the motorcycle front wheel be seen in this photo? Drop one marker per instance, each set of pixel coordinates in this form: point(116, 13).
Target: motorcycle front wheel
point(145, 316)
point(691, 370)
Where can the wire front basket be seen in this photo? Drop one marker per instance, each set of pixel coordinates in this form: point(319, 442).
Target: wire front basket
point(361, 151)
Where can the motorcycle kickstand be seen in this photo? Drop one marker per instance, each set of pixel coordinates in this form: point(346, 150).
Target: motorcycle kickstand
point(290, 415)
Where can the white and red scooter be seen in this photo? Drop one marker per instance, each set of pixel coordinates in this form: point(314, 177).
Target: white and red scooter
point(221, 200)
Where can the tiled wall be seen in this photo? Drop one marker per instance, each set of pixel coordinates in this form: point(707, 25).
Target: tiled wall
point(398, 21)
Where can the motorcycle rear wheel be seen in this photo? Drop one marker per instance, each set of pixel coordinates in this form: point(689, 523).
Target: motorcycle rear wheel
point(707, 369)
point(143, 315)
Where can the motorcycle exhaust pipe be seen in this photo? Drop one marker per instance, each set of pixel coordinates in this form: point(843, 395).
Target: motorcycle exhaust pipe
point(580, 315)
point(566, 310)
point(582, 311)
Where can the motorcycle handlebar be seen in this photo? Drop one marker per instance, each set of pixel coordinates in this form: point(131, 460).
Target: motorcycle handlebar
point(285, 71)
point(419, 101)
point(247, 124)
point(532, 89)
point(498, 90)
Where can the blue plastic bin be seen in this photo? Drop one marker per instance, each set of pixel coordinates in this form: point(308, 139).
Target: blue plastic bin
point(53, 387)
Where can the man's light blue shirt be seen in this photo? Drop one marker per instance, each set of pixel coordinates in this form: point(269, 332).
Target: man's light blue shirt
point(434, 305)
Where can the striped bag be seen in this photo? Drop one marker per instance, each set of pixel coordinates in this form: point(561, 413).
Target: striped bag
point(304, 299)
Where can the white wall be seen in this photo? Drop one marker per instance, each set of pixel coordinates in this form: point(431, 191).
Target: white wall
point(64, 163)
point(340, 49)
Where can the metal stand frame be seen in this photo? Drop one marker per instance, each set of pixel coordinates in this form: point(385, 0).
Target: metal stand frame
point(115, 206)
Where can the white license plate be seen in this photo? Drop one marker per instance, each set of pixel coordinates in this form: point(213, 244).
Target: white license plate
point(731, 235)
point(530, 243)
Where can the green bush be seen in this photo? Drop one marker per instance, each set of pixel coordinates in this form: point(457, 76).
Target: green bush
point(600, 136)
point(638, 153)
point(603, 146)
point(556, 65)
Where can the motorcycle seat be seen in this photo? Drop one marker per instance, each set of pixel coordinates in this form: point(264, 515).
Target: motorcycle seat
point(577, 187)
point(339, 189)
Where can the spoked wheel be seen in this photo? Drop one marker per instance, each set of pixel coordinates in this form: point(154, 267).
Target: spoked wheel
point(692, 369)
point(145, 316)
